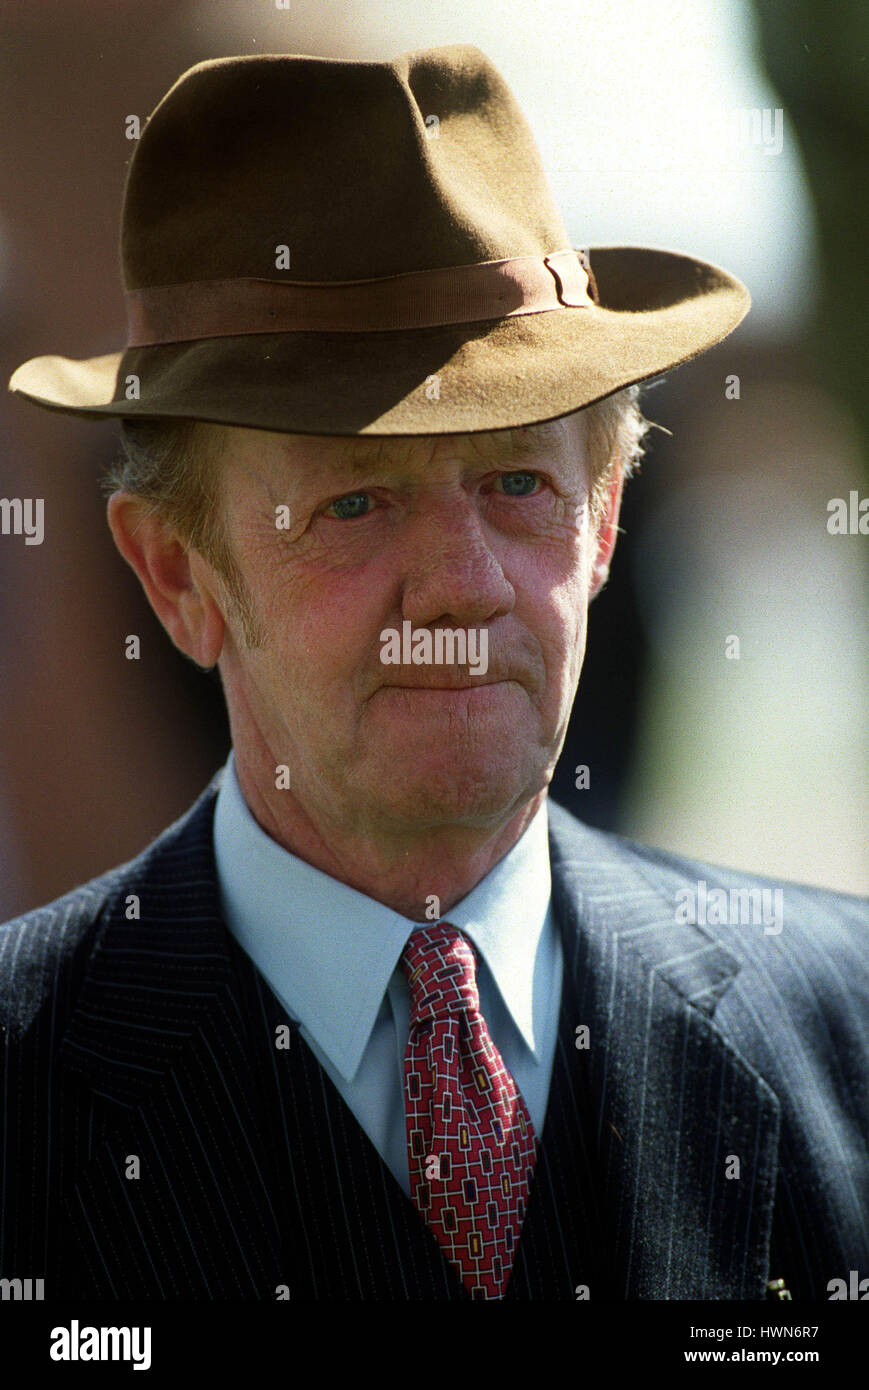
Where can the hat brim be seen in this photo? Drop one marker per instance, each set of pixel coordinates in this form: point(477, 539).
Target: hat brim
point(657, 310)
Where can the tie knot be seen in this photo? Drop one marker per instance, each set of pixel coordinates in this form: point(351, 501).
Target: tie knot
point(441, 969)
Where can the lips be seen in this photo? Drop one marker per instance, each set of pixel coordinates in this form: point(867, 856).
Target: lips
point(442, 684)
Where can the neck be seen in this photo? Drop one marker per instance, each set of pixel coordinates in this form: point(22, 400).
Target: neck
point(419, 872)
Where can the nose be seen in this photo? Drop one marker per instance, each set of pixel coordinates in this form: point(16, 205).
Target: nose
point(453, 574)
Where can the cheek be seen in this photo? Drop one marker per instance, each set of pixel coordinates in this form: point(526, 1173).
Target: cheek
point(566, 649)
point(323, 629)
point(552, 586)
point(559, 625)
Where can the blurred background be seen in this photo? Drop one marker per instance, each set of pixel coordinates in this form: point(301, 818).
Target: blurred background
point(738, 133)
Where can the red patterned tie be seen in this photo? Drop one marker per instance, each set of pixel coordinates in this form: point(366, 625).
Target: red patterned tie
point(471, 1144)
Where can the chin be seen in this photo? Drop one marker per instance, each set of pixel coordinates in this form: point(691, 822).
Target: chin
point(459, 796)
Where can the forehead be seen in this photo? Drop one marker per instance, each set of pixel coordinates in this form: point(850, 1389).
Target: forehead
point(263, 448)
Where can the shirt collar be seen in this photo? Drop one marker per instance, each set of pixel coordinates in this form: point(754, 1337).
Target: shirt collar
point(328, 951)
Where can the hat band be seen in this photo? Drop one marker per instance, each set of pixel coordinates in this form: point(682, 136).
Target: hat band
point(414, 299)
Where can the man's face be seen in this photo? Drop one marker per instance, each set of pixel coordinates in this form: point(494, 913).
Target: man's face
point(465, 532)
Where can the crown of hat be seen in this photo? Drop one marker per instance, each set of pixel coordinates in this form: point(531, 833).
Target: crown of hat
point(359, 169)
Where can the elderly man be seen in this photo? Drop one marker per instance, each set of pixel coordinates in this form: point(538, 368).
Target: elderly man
point(372, 1020)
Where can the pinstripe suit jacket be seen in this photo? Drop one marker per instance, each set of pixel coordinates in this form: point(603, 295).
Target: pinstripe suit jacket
point(152, 1039)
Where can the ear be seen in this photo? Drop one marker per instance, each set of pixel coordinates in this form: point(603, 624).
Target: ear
point(179, 584)
point(606, 535)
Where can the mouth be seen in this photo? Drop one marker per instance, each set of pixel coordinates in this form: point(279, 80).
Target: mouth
point(447, 685)
point(455, 696)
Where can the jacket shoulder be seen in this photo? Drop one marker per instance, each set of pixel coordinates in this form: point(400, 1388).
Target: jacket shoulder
point(798, 912)
point(44, 953)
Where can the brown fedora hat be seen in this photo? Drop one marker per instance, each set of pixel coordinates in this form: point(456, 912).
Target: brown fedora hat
point(324, 246)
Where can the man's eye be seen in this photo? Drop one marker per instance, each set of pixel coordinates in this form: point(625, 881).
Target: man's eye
point(353, 505)
point(519, 484)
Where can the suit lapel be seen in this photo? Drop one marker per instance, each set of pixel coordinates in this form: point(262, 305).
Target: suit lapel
point(158, 1039)
point(687, 1130)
